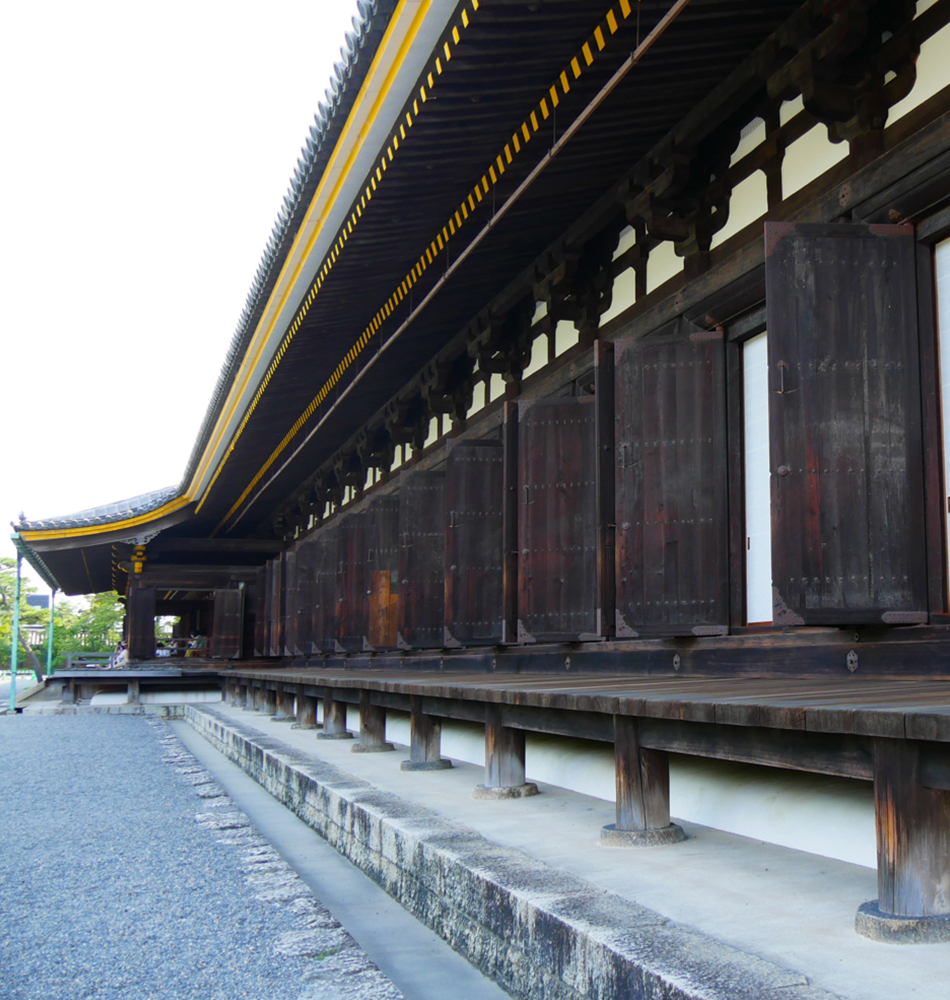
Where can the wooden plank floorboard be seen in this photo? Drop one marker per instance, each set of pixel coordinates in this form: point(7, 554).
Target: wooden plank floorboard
point(915, 708)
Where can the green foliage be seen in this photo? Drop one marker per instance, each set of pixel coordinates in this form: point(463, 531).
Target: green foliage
point(93, 625)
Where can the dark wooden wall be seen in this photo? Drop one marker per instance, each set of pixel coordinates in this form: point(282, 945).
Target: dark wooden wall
point(474, 553)
point(612, 506)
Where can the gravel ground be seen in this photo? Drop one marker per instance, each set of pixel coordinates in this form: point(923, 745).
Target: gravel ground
point(127, 872)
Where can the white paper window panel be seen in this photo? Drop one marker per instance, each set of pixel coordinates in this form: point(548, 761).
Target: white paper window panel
point(758, 503)
point(942, 272)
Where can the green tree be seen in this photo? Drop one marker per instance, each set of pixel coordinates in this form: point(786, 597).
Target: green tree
point(93, 625)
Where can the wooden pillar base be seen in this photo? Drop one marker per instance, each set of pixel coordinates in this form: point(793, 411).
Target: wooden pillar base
point(913, 851)
point(494, 793)
point(425, 741)
point(240, 696)
point(610, 836)
point(504, 760)
point(133, 693)
point(643, 793)
point(268, 703)
point(372, 728)
point(284, 711)
point(888, 929)
point(440, 764)
point(306, 712)
point(334, 720)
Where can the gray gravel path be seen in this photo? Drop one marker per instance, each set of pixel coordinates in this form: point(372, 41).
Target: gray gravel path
point(126, 872)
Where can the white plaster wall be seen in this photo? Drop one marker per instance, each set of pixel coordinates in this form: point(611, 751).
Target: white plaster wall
point(104, 698)
point(810, 155)
point(933, 69)
point(832, 817)
point(662, 264)
point(624, 294)
point(749, 201)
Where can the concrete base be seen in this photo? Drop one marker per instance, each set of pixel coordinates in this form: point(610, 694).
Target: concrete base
point(442, 764)
point(610, 836)
point(524, 791)
point(334, 736)
point(371, 748)
point(538, 931)
point(871, 923)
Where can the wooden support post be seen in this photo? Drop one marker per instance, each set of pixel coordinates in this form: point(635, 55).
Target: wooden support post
point(334, 719)
point(425, 741)
point(268, 703)
point(306, 711)
point(643, 792)
point(240, 695)
point(253, 698)
point(141, 614)
point(133, 692)
point(284, 711)
point(504, 760)
point(913, 851)
point(372, 728)
point(69, 693)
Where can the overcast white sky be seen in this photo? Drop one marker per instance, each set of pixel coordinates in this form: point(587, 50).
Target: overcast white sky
point(145, 152)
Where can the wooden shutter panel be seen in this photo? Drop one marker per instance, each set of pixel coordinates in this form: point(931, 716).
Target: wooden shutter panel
point(421, 560)
point(304, 599)
point(325, 560)
point(228, 624)
point(845, 437)
point(672, 503)
point(557, 523)
point(351, 604)
point(382, 572)
point(474, 551)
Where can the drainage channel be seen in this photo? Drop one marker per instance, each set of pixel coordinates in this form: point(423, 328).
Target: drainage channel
point(417, 961)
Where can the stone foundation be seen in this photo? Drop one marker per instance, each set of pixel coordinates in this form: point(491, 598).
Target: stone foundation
point(537, 931)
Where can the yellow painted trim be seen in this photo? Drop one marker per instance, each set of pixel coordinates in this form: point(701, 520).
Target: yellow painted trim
point(288, 273)
point(102, 529)
point(454, 224)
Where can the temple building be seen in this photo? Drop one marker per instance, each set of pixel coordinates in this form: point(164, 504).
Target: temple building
point(592, 385)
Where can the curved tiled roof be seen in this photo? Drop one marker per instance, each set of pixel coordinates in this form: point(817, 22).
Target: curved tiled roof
point(144, 503)
point(357, 54)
